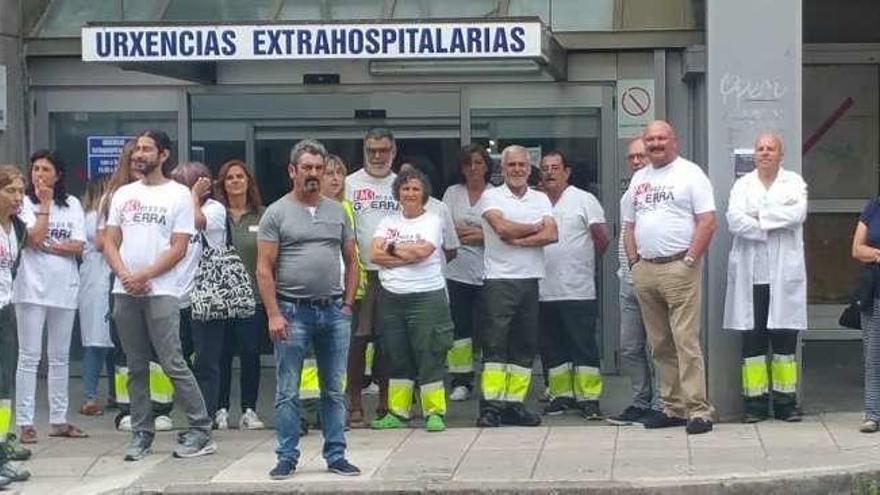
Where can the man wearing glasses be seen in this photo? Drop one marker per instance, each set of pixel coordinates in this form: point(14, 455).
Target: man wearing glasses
point(369, 191)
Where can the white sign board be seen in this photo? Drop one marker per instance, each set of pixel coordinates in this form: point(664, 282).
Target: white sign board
point(3, 97)
point(635, 106)
point(312, 41)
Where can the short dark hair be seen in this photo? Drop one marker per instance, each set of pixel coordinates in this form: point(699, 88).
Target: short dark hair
point(59, 191)
point(163, 142)
point(464, 158)
point(558, 153)
point(408, 175)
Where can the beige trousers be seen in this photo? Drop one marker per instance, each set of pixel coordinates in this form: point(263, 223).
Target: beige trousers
point(669, 297)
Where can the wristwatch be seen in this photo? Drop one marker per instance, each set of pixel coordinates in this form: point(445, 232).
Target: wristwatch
point(689, 260)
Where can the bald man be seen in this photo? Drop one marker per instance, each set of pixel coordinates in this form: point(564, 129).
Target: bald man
point(669, 217)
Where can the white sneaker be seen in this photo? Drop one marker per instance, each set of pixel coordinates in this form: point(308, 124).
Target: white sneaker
point(459, 394)
point(124, 423)
point(372, 389)
point(221, 419)
point(163, 423)
point(250, 421)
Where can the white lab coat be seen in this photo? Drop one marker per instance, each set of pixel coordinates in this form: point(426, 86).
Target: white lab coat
point(756, 216)
point(94, 291)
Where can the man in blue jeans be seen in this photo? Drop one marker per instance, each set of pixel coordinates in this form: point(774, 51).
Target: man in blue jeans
point(299, 244)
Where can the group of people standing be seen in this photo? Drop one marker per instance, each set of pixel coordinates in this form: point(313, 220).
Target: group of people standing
point(370, 264)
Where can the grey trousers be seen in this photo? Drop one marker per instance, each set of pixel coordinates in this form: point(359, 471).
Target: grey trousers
point(635, 360)
point(8, 351)
point(153, 322)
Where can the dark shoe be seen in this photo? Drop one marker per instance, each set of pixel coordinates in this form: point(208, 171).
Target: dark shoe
point(489, 418)
point(793, 415)
point(344, 468)
point(518, 415)
point(589, 410)
point(194, 443)
point(695, 426)
point(282, 470)
point(630, 415)
point(13, 450)
point(751, 417)
point(658, 419)
point(558, 406)
point(303, 427)
point(139, 447)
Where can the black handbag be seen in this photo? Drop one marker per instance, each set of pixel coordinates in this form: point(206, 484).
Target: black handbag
point(863, 297)
point(222, 287)
point(851, 317)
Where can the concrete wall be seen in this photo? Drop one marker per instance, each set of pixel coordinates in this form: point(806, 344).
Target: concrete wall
point(13, 146)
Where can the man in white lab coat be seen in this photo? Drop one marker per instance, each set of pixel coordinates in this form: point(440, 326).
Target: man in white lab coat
point(766, 280)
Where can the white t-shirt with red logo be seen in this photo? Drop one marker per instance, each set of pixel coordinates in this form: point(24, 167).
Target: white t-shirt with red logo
point(662, 202)
point(371, 200)
point(51, 279)
point(424, 276)
point(148, 216)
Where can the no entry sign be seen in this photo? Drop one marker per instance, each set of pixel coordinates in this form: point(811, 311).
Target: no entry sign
point(635, 106)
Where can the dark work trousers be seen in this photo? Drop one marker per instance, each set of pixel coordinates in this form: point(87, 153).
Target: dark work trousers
point(568, 337)
point(242, 337)
point(510, 333)
point(466, 308)
point(757, 342)
point(208, 339)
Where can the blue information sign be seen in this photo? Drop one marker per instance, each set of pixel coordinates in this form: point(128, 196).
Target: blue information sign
point(104, 153)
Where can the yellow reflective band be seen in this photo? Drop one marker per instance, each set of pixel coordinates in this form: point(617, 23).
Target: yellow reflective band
point(460, 357)
point(587, 383)
point(493, 381)
point(161, 389)
point(309, 386)
point(518, 379)
point(369, 355)
point(785, 373)
point(400, 396)
point(362, 272)
point(5, 417)
point(433, 397)
point(120, 384)
point(754, 376)
point(559, 382)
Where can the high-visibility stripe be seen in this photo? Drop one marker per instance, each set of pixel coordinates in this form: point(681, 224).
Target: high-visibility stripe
point(754, 376)
point(433, 397)
point(161, 389)
point(309, 386)
point(518, 379)
point(348, 208)
point(400, 396)
point(587, 383)
point(785, 373)
point(5, 417)
point(369, 356)
point(460, 357)
point(120, 384)
point(559, 381)
point(493, 381)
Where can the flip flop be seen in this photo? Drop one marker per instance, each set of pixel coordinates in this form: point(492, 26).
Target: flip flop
point(67, 430)
point(27, 434)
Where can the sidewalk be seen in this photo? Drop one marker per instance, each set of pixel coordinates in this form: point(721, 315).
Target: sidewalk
point(824, 454)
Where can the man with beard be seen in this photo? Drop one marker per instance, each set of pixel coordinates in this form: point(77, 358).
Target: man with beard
point(669, 217)
point(369, 192)
point(148, 229)
point(298, 245)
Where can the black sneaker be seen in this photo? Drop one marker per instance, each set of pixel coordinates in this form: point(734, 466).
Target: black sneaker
point(344, 468)
point(695, 426)
point(589, 410)
point(658, 419)
point(282, 470)
point(558, 406)
point(489, 418)
point(791, 415)
point(517, 415)
point(630, 415)
point(13, 450)
point(753, 417)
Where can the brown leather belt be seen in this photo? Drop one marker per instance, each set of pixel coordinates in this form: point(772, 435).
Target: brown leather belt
point(662, 260)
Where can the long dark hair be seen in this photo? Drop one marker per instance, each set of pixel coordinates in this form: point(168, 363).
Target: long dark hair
point(59, 191)
point(253, 199)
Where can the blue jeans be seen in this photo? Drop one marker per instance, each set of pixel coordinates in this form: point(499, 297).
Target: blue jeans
point(93, 359)
point(328, 331)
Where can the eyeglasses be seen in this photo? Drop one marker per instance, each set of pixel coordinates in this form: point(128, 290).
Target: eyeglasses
point(377, 151)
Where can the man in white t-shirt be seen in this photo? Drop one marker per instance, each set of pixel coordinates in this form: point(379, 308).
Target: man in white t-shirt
point(669, 218)
point(369, 192)
point(518, 223)
point(148, 228)
point(568, 307)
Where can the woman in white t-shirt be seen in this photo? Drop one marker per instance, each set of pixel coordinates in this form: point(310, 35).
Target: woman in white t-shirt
point(206, 337)
point(416, 327)
point(464, 274)
point(45, 293)
point(93, 302)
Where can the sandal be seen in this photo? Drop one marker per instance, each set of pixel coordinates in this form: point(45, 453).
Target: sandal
point(27, 434)
point(90, 408)
point(356, 420)
point(67, 430)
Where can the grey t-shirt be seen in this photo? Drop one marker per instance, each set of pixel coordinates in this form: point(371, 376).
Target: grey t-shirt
point(309, 243)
